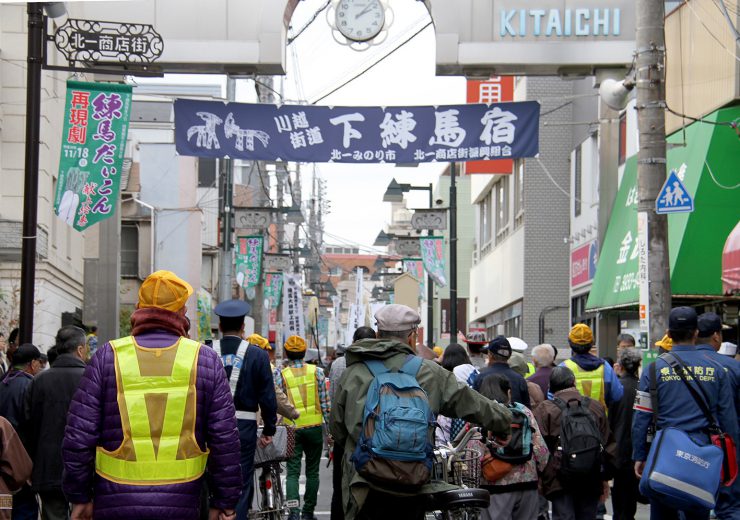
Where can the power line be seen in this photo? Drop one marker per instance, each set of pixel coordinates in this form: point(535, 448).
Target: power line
point(312, 20)
point(350, 80)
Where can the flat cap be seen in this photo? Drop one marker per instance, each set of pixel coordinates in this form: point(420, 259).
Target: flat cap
point(581, 334)
point(232, 309)
point(164, 290)
point(397, 318)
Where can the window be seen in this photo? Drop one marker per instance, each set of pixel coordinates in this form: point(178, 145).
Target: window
point(129, 250)
point(501, 197)
point(518, 193)
point(485, 222)
point(207, 169)
point(622, 138)
point(577, 181)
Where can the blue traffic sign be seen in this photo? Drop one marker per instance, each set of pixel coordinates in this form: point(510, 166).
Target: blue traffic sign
point(674, 197)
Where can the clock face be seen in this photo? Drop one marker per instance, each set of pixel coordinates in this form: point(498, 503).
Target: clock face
point(360, 20)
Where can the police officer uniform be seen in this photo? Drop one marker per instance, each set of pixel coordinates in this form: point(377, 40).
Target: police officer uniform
point(250, 378)
point(677, 408)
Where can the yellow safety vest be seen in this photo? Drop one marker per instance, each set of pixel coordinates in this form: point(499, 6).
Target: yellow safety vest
point(151, 454)
point(589, 382)
point(530, 369)
point(303, 392)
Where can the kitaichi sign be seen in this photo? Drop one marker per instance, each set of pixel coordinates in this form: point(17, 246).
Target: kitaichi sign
point(560, 22)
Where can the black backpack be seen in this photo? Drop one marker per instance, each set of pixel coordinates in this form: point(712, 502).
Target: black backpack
point(580, 440)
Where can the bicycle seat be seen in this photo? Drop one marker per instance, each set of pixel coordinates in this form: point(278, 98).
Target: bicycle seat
point(468, 497)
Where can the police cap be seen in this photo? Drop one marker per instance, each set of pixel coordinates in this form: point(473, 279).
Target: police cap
point(232, 309)
point(708, 324)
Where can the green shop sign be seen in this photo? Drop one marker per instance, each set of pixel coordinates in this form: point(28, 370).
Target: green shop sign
point(707, 164)
point(96, 120)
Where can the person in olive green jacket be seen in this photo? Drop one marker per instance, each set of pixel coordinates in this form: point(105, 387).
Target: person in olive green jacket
point(397, 335)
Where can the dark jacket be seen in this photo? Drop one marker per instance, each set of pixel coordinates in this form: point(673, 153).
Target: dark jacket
point(446, 396)
point(519, 390)
point(95, 420)
point(620, 421)
point(548, 417)
point(542, 378)
point(255, 388)
point(47, 404)
point(13, 390)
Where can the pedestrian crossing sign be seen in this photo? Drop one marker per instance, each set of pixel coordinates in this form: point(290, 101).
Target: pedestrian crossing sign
point(674, 197)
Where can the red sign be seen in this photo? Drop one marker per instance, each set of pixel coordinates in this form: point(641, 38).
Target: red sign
point(580, 268)
point(498, 89)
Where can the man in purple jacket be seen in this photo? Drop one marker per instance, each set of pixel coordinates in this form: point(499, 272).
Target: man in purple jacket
point(153, 411)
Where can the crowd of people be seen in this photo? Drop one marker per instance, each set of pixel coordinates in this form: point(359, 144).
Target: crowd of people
point(156, 425)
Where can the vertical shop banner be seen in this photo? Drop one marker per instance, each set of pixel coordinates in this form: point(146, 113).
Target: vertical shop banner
point(293, 318)
point(273, 288)
point(249, 260)
point(432, 254)
point(497, 89)
point(359, 299)
point(415, 267)
point(336, 303)
point(204, 309)
point(96, 120)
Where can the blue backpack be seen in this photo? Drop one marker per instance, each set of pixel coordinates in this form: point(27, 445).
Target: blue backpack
point(395, 446)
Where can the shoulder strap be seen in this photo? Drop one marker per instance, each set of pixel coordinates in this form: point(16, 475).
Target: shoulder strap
point(680, 369)
point(376, 367)
point(411, 366)
point(559, 403)
point(654, 393)
point(216, 345)
point(241, 358)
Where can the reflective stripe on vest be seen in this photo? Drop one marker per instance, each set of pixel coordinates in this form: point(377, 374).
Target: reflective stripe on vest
point(589, 382)
point(297, 379)
point(147, 466)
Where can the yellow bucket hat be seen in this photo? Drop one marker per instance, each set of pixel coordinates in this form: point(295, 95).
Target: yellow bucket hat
point(666, 343)
point(164, 290)
point(295, 344)
point(581, 334)
point(256, 339)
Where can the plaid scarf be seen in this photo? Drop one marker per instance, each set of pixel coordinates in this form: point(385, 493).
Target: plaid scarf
point(151, 319)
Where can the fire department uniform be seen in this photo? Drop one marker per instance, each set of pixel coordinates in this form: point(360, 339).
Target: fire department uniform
point(678, 409)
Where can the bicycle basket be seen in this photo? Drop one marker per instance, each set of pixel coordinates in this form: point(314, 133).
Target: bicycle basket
point(466, 468)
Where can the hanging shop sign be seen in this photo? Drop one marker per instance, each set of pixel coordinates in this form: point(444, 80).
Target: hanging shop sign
point(432, 254)
point(415, 267)
point(273, 289)
point(249, 260)
point(414, 134)
point(293, 315)
point(96, 121)
point(92, 41)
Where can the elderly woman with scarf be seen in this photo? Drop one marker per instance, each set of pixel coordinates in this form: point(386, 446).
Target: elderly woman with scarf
point(153, 411)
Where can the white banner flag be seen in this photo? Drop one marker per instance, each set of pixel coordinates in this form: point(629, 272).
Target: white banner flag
point(359, 299)
point(293, 320)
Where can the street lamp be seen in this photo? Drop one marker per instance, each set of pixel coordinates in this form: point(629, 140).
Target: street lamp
point(35, 55)
point(394, 193)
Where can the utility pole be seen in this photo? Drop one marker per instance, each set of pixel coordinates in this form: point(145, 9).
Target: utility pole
point(453, 253)
point(227, 213)
point(651, 164)
point(31, 182)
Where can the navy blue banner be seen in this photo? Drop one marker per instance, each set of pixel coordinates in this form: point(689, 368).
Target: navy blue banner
point(357, 134)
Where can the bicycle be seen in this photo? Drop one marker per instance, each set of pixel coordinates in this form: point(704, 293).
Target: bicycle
point(460, 466)
point(269, 490)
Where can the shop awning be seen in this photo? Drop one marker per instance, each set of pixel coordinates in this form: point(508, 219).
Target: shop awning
point(710, 162)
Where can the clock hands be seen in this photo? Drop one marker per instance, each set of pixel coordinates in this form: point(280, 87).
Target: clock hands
point(367, 9)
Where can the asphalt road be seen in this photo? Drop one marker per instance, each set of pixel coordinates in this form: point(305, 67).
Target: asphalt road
point(323, 508)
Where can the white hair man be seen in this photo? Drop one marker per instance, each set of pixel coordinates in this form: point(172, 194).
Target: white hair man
point(543, 357)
